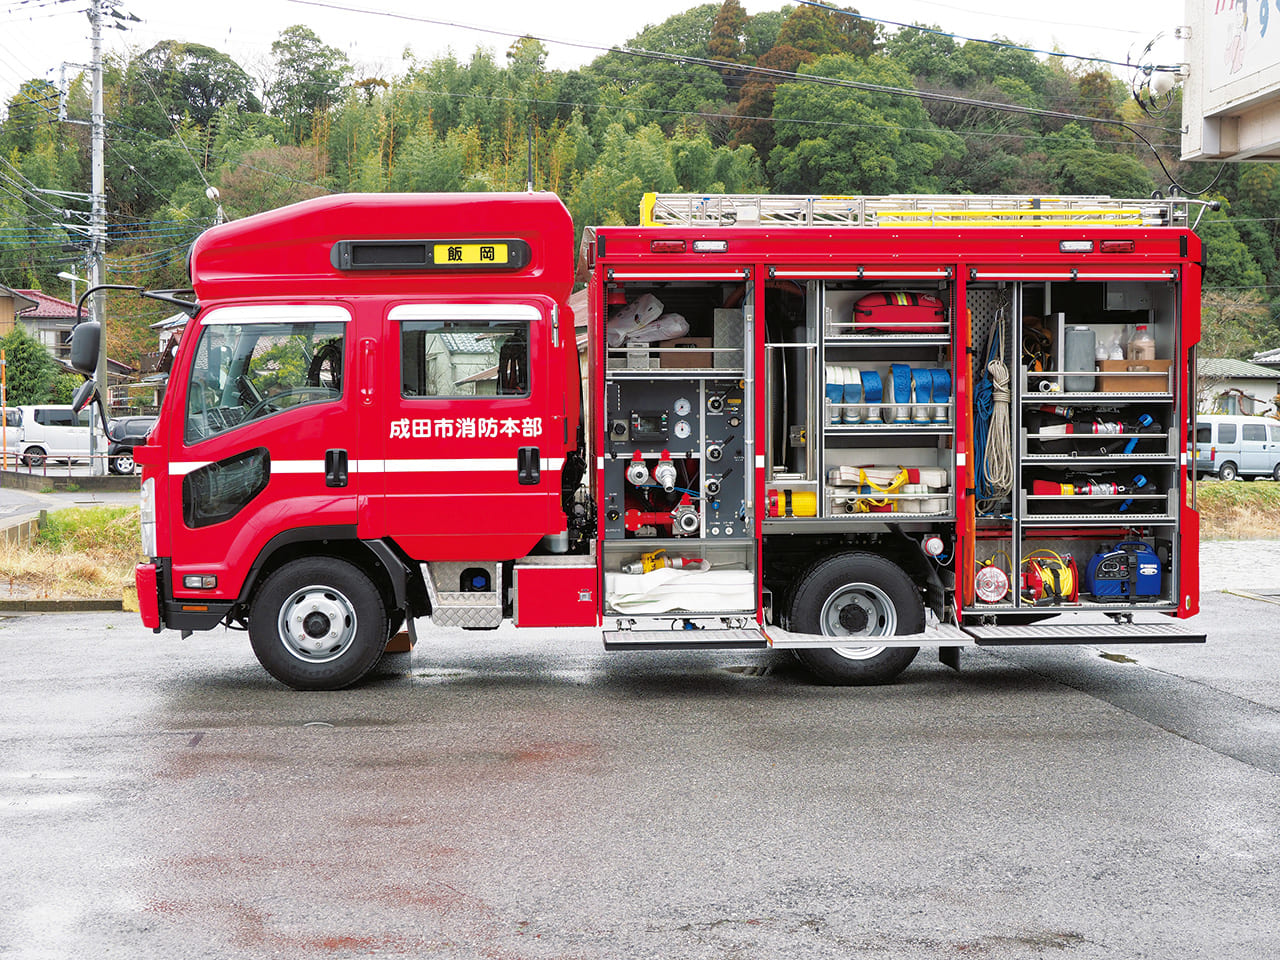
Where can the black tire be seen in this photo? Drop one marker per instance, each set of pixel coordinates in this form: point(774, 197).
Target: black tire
point(1228, 472)
point(34, 457)
point(121, 464)
point(1275, 474)
point(339, 624)
point(856, 595)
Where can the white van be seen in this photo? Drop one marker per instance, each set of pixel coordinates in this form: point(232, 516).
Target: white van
point(1231, 446)
point(49, 431)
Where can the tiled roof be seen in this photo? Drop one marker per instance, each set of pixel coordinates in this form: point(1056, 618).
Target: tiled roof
point(48, 308)
point(1228, 369)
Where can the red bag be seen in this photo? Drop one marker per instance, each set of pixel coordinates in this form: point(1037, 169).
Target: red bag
point(900, 313)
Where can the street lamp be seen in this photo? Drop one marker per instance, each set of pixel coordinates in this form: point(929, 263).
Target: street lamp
point(74, 280)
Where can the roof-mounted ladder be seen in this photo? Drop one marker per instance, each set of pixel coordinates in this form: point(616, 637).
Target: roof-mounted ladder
point(916, 210)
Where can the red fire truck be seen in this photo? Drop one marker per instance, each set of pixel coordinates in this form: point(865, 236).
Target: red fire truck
point(850, 427)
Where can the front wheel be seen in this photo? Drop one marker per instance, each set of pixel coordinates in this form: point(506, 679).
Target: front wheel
point(318, 624)
point(121, 464)
point(34, 457)
point(856, 595)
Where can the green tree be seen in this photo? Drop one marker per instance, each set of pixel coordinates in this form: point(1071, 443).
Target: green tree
point(32, 117)
point(174, 80)
point(863, 141)
point(306, 80)
point(30, 371)
point(824, 31)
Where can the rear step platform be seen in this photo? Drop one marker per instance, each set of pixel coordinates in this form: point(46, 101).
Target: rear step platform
point(684, 639)
point(1064, 633)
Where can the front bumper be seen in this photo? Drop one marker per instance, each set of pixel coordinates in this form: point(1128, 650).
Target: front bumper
point(159, 609)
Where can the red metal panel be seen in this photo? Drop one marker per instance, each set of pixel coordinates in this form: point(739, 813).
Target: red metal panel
point(557, 597)
point(145, 580)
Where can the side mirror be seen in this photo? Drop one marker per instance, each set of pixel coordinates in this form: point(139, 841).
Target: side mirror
point(86, 339)
point(84, 395)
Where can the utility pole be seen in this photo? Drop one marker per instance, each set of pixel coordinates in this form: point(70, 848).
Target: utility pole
point(98, 220)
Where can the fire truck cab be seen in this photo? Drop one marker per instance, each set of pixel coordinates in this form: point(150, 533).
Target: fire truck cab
point(850, 427)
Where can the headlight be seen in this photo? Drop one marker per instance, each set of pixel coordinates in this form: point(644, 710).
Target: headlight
point(149, 517)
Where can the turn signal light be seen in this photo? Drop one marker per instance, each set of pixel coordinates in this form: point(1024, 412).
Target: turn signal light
point(199, 581)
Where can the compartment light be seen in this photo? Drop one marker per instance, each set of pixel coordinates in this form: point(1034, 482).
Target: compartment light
point(710, 246)
point(991, 584)
point(1076, 246)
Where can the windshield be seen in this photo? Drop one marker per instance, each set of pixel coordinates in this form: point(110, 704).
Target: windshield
point(246, 371)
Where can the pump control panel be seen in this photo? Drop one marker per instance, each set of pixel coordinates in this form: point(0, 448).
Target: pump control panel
point(675, 462)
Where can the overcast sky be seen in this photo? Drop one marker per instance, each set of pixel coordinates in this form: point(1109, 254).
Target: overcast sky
point(36, 36)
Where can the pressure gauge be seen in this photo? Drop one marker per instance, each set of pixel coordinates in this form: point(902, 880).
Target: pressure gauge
point(682, 408)
point(682, 429)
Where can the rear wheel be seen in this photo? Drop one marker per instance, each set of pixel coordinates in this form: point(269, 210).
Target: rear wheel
point(856, 596)
point(318, 624)
point(1227, 472)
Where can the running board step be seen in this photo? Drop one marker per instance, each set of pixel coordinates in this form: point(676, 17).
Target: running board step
point(1065, 633)
point(934, 634)
point(683, 639)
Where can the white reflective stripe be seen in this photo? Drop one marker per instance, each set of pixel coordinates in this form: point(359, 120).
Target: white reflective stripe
point(448, 465)
point(759, 461)
point(180, 468)
point(465, 311)
point(278, 313)
point(474, 465)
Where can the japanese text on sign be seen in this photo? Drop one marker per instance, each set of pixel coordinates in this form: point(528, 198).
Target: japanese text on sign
point(465, 428)
point(463, 254)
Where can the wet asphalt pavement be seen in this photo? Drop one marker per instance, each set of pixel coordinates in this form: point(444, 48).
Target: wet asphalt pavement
point(510, 796)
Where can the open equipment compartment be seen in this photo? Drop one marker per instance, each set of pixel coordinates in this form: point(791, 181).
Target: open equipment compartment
point(1091, 521)
point(861, 402)
point(678, 448)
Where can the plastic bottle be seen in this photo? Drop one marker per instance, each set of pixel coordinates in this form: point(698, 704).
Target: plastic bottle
point(1114, 350)
point(1142, 346)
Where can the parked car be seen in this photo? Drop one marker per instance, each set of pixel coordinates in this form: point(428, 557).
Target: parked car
point(125, 433)
point(50, 432)
point(1236, 446)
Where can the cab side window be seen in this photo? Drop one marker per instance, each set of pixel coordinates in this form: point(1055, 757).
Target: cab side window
point(464, 358)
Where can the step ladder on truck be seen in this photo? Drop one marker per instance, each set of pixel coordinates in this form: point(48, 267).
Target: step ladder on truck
point(846, 426)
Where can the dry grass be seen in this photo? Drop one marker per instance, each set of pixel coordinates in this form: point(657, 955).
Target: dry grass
point(1241, 510)
point(86, 552)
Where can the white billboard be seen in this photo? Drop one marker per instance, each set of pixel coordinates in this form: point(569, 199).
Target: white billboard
point(1231, 95)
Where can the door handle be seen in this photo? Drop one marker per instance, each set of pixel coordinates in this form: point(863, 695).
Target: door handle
point(528, 466)
point(368, 351)
point(335, 468)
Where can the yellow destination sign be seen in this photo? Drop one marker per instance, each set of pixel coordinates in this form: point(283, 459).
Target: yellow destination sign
point(470, 254)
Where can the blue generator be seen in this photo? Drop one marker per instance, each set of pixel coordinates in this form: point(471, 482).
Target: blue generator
point(1127, 571)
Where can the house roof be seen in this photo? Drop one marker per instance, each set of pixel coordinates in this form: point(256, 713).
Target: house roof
point(1225, 368)
point(47, 307)
point(18, 297)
